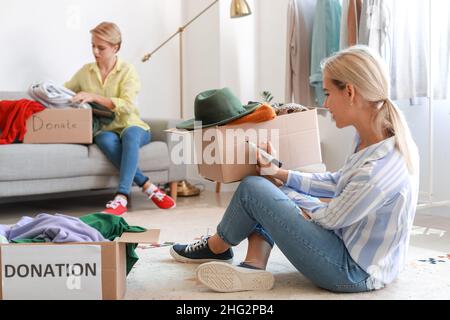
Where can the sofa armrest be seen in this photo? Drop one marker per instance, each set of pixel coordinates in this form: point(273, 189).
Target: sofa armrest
point(159, 125)
point(177, 172)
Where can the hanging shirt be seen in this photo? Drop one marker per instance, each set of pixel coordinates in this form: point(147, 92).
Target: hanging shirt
point(410, 58)
point(121, 86)
point(343, 39)
point(300, 25)
point(372, 208)
point(375, 26)
point(325, 41)
point(353, 18)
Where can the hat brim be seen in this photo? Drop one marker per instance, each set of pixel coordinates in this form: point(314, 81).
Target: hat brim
point(189, 124)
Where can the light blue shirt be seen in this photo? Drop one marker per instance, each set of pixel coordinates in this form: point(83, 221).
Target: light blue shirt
point(372, 210)
point(325, 41)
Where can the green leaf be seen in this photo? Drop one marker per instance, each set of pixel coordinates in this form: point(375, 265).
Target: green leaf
point(267, 96)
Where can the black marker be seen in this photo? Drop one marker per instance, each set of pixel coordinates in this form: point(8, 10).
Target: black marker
point(265, 155)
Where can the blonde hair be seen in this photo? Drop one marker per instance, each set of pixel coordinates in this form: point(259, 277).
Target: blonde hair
point(108, 32)
point(367, 72)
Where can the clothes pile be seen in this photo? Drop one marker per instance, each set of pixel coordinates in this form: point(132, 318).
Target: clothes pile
point(282, 109)
point(59, 228)
point(221, 107)
point(13, 118)
point(54, 96)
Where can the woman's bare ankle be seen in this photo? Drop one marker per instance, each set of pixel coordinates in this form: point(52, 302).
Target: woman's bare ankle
point(217, 245)
point(145, 186)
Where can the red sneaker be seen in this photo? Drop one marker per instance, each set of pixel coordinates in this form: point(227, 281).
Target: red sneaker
point(162, 200)
point(116, 207)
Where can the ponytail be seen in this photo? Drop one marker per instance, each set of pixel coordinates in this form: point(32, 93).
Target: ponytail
point(391, 120)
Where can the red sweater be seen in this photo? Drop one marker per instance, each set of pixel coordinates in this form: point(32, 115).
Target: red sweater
point(13, 118)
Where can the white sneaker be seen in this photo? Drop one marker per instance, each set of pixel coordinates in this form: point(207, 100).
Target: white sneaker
point(223, 277)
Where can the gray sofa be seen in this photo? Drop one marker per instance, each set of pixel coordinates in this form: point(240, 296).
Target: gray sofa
point(39, 169)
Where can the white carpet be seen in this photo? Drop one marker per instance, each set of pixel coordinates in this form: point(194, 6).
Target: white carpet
point(158, 276)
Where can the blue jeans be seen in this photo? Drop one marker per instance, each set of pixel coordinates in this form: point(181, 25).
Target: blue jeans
point(319, 254)
point(123, 152)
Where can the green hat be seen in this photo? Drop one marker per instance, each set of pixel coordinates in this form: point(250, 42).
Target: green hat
point(215, 108)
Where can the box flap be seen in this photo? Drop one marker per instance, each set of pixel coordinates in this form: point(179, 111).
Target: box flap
point(150, 237)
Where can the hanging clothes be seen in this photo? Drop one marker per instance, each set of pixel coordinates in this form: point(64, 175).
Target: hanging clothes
point(300, 25)
point(343, 39)
point(13, 118)
point(440, 51)
point(353, 19)
point(410, 59)
point(375, 24)
point(325, 41)
point(350, 23)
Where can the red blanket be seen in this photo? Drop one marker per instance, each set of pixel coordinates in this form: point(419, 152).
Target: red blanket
point(13, 118)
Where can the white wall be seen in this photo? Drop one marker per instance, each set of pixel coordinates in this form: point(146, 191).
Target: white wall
point(238, 59)
point(270, 75)
point(272, 36)
point(250, 58)
point(220, 52)
point(201, 51)
point(201, 60)
point(50, 39)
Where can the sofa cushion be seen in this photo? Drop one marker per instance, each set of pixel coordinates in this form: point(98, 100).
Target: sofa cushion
point(48, 161)
point(35, 161)
point(14, 95)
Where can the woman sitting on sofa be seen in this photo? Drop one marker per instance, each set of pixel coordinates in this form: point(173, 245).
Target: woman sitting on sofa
point(113, 83)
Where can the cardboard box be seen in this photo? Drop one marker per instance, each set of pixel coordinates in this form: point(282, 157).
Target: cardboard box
point(223, 155)
point(68, 125)
point(75, 271)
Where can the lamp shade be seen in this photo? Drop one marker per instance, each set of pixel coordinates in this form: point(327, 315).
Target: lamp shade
point(239, 8)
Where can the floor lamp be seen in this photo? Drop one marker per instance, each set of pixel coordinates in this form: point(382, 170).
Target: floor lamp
point(238, 9)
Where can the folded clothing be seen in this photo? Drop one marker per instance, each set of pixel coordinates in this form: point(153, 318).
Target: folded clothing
point(101, 116)
point(52, 95)
point(288, 108)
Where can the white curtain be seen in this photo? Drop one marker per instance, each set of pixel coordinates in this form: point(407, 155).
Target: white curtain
point(401, 31)
point(410, 60)
point(440, 50)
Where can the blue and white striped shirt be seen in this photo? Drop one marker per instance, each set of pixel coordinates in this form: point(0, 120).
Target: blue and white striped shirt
point(373, 205)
